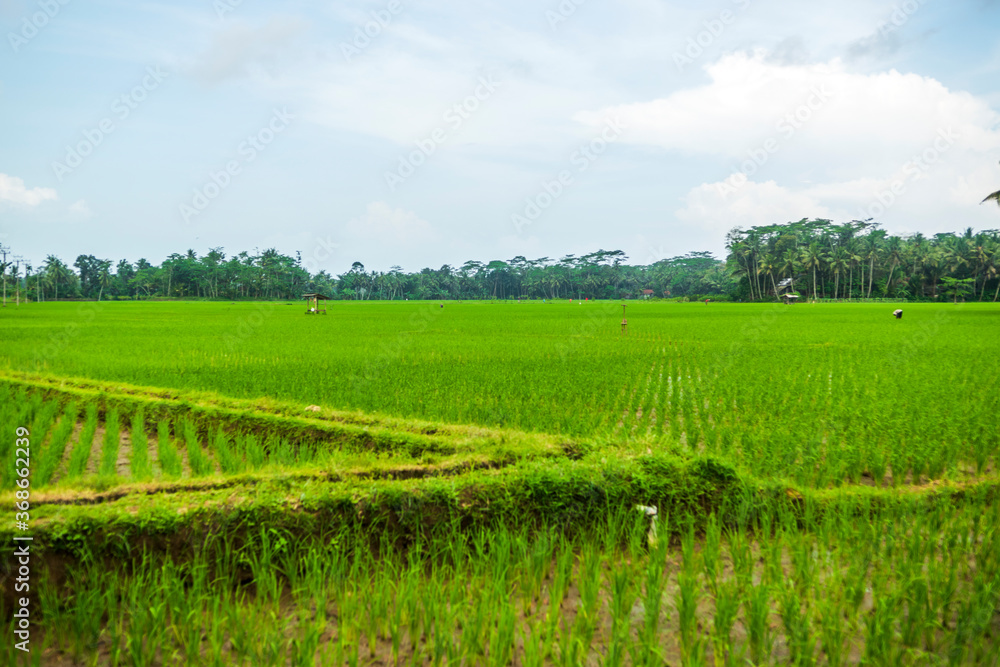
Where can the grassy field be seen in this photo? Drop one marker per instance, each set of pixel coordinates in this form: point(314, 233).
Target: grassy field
point(406, 483)
point(822, 394)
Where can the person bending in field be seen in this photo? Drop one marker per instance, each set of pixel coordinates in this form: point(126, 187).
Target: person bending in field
point(898, 313)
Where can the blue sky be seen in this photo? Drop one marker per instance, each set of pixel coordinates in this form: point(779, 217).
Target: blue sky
point(484, 130)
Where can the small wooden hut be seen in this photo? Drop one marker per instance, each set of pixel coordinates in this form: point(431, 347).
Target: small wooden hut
point(790, 298)
point(317, 303)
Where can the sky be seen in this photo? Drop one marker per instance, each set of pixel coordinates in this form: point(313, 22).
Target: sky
point(418, 134)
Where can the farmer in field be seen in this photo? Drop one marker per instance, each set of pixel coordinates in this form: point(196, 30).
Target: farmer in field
point(898, 313)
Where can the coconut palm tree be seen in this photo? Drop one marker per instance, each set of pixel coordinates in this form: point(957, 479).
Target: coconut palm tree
point(919, 249)
point(754, 247)
point(935, 266)
point(812, 258)
point(103, 277)
point(994, 267)
point(953, 257)
point(980, 252)
point(741, 252)
point(789, 265)
point(872, 250)
point(854, 258)
point(769, 266)
point(55, 272)
point(838, 262)
point(894, 253)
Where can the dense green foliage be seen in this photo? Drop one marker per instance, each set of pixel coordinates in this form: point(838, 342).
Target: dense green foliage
point(847, 261)
point(271, 275)
point(859, 260)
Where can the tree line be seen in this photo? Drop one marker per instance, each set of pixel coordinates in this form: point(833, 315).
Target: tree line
point(813, 258)
point(859, 260)
point(272, 275)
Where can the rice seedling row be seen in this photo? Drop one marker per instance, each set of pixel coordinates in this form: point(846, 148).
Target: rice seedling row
point(404, 485)
point(776, 591)
point(824, 395)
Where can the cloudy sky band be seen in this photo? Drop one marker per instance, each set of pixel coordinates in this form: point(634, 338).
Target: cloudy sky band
point(736, 112)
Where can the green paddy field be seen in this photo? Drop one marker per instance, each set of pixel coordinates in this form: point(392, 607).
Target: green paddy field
point(456, 483)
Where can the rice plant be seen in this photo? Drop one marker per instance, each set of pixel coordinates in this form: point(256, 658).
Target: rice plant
point(54, 452)
point(109, 451)
point(80, 453)
point(639, 390)
point(832, 511)
point(141, 464)
point(170, 459)
point(198, 461)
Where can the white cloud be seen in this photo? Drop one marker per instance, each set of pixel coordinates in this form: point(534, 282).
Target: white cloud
point(12, 189)
point(402, 86)
point(81, 209)
point(809, 109)
point(938, 200)
point(796, 140)
point(710, 207)
point(358, 116)
point(388, 225)
point(417, 67)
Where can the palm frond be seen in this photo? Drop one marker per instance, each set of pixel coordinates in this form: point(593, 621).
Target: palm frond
point(995, 197)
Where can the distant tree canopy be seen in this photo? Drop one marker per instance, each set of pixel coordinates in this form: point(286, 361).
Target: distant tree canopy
point(858, 260)
point(816, 257)
point(271, 275)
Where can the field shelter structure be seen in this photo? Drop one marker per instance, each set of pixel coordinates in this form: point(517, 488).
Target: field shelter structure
point(314, 299)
